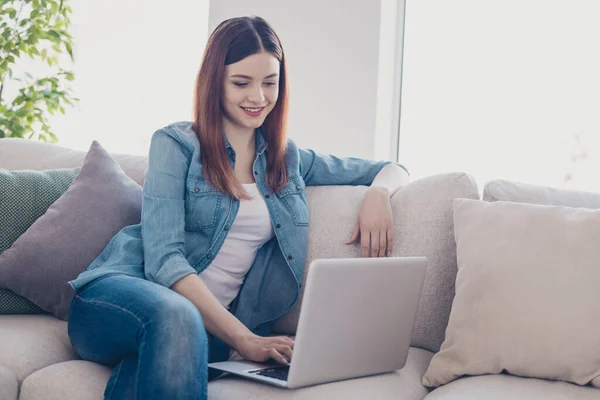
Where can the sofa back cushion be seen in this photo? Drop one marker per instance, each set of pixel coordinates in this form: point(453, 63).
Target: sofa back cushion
point(24, 197)
point(503, 190)
point(19, 154)
point(422, 227)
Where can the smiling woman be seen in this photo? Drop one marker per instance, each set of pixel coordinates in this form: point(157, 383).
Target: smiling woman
point(224, 226)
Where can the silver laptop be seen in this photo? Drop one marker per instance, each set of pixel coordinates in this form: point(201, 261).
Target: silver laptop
point(356, 320)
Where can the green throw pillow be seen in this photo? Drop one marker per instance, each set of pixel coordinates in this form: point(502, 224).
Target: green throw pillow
point(24, 197)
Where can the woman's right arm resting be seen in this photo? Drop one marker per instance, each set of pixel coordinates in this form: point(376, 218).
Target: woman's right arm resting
point(163, 235)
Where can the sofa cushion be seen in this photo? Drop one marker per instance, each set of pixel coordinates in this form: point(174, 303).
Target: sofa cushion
point(526, 294)
point(83, 380)
point(101, 201)
point(76, 380)
point(32, 342)
point(12, 303)
point(21, 154)
point(24, 197)
point(422, 227)
point(404, 384)
point(503, 190)
point(506, 387)
point(9, 387)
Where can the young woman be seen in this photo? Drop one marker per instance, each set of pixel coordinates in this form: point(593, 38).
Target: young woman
point(220, 250)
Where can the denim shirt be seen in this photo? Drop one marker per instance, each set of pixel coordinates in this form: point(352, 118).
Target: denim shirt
point(185, 220)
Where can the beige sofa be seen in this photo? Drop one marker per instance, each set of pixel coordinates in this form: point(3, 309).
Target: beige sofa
point(37, 360)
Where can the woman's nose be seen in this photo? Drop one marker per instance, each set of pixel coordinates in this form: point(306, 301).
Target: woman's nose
point(257, 95)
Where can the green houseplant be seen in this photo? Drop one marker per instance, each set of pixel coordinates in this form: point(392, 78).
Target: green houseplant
point(37, 29)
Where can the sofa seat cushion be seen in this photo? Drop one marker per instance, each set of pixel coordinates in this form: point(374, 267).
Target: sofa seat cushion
point(81, 380)
point(508, 387)
point(31, 342)
point(404, 384)
point(9, 387)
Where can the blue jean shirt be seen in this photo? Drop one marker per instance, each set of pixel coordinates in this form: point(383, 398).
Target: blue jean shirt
point(185, 220)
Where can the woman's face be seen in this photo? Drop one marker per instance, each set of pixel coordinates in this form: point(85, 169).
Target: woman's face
point(251, 89)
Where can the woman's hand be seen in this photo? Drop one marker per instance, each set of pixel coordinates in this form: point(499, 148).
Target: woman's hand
point(374, 224)
point(258, 348)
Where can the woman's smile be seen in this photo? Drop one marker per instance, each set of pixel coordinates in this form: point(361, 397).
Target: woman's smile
point(253, 112)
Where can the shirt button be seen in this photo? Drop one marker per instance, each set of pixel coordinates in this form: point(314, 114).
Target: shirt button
point(290, 257)
point(255, 172)
point(297, 187)
point(268, 196)
point(196, 190)
point(209, 256)
point(226, 227)
point(278, 225)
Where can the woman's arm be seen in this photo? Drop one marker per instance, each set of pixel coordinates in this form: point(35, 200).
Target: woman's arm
point(375, 221)
point(163, 210)
point(217, 319)
point(326, 169)
point(391, 178)
point(163, 216)
point(222, 324)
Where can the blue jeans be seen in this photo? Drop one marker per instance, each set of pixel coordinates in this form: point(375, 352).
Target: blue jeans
point(153, 337)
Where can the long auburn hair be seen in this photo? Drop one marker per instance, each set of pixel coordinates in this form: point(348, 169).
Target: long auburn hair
point(230, 42)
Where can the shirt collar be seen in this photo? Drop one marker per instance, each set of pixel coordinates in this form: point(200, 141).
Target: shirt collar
point(261, 143)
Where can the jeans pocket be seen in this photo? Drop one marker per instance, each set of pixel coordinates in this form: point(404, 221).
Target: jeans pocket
point(90, 284)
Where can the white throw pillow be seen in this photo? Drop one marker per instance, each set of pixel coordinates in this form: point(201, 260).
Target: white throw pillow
point(527, 294)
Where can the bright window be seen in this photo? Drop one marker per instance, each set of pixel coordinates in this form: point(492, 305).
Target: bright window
point(503, 90)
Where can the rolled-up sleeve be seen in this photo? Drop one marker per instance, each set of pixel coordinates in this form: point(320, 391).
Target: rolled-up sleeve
point(163, 211)
point(326, 169)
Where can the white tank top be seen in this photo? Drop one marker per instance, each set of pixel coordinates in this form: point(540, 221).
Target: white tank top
point(250, 230)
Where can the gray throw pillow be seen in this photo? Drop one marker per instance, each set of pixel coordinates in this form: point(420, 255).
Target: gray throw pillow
point(101, 201)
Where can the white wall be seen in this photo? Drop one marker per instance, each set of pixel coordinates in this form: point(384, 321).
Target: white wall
point(333, 55)
point(135, 65)
point(136, 61)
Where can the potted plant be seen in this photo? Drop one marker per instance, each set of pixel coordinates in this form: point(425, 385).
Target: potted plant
point(38, 29)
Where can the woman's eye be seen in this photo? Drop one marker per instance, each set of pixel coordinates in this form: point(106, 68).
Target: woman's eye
point(240, 84)
point(270, 83)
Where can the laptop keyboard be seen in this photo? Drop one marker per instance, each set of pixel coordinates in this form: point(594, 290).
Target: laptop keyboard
point(280, 373)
